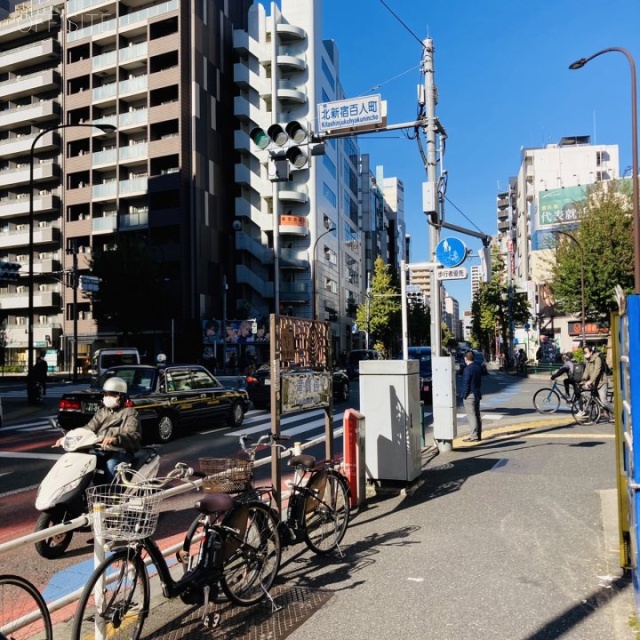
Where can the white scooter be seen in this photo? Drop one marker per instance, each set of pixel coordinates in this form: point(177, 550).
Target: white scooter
point(61, 495)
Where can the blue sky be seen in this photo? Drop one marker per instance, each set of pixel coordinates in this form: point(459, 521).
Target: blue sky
point(501, 70)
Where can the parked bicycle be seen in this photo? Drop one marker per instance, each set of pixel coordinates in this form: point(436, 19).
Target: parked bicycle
point(547, 400)
point(23, 612)
point(318, 507)
point(239, 554)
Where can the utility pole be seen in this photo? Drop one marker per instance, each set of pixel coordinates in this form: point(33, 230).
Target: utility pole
point(430, 193)
point(73, 250)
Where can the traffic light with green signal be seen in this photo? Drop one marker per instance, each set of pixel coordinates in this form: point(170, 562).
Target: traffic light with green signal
point(289, 150)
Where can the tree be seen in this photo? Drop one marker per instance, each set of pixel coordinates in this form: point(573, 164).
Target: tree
point(380, 312)
point(606, 237)
point(495, 306)
point(127, 299)
point(419, 323)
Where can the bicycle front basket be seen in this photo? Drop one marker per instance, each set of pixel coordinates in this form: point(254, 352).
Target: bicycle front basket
point(124, 513)
point(226, 475)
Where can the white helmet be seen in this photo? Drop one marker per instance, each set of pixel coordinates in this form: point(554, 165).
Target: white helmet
point(161, 358)
point(115, 384)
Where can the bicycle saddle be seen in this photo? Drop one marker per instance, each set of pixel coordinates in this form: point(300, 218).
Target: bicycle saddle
point(303, 460)
point(214, 503)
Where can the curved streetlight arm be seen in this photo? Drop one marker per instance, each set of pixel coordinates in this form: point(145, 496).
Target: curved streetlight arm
point(582, 293)
point(331, 229)
point(105, 128)
point(578, 64)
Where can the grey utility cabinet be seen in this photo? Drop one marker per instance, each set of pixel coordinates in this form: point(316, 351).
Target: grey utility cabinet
point(390, 403)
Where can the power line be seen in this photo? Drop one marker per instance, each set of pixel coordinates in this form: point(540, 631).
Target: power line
point(386, 6)
point(464, 215)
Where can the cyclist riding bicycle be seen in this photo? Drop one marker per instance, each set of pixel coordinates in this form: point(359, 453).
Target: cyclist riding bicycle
point(573, 370)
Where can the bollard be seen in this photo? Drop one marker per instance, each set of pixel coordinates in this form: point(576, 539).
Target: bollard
point(354, 465)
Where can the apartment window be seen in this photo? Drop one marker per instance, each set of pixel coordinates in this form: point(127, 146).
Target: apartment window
point(329, 195)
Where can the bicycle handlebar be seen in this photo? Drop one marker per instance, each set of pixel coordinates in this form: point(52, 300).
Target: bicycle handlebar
point(265, 439)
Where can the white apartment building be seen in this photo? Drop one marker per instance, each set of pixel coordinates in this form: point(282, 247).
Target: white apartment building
point(551, 182)
point(476, 279)
point(303, 242)
point(452, 315)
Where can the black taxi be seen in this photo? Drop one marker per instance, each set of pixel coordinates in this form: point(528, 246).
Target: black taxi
point(169, 399)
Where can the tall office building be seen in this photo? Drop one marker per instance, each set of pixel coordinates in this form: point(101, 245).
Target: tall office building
point(161, 74)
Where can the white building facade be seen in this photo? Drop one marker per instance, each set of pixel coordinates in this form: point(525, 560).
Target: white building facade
point(543, 198)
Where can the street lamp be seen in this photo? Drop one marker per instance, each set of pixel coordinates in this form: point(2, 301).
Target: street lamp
point(330, 229)
point(578, 64)
point(580, 247)
point(105, 128)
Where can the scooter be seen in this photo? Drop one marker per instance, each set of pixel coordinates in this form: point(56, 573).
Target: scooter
point(61, 495)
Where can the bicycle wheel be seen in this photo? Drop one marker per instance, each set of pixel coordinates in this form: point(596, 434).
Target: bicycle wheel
point(251, 552)
point(591, 410)
point(23, 611)
point(121, 604)
point(326, 512)
point(546, 400)
point(594, 411)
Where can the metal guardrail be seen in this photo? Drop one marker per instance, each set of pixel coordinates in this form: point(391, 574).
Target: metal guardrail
point(87, 519)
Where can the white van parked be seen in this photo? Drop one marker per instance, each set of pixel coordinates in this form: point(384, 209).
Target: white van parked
point(108, 357)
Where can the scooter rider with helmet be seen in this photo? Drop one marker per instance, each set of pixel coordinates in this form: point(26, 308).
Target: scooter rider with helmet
point(118, 425)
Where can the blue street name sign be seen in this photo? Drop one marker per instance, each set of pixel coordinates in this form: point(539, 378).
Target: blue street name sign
point(451, 252)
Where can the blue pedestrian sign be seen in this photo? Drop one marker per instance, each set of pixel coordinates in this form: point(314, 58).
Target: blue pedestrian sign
point(451, 252)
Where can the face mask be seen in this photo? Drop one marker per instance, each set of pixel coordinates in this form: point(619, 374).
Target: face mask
point(111, 402)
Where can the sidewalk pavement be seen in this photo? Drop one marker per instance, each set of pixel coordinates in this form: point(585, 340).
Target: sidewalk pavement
point(513, 538)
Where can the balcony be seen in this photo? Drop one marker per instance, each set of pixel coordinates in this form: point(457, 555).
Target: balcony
point(30, 55)
point(34, 83)
point(294, 225)
point(127, 20)
point(247, 112)
point(41, 235)
point(244, 275)
point(20, 175)
point(243, 43)
point(503, 226)
point(244, 209)
point(291, 61)
point(120, 57)
point(244, 242)
point(294, 291)
point(299, 196)
point(78, 6)
point(291, 92)
point(33, 113)
point(41, 299)
point(294, 259)
point(133, 220)
point(21, 146)
point(12, 207)
point(246, 79)
point(290, 32)
point(244, 176)
point(105, 224)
